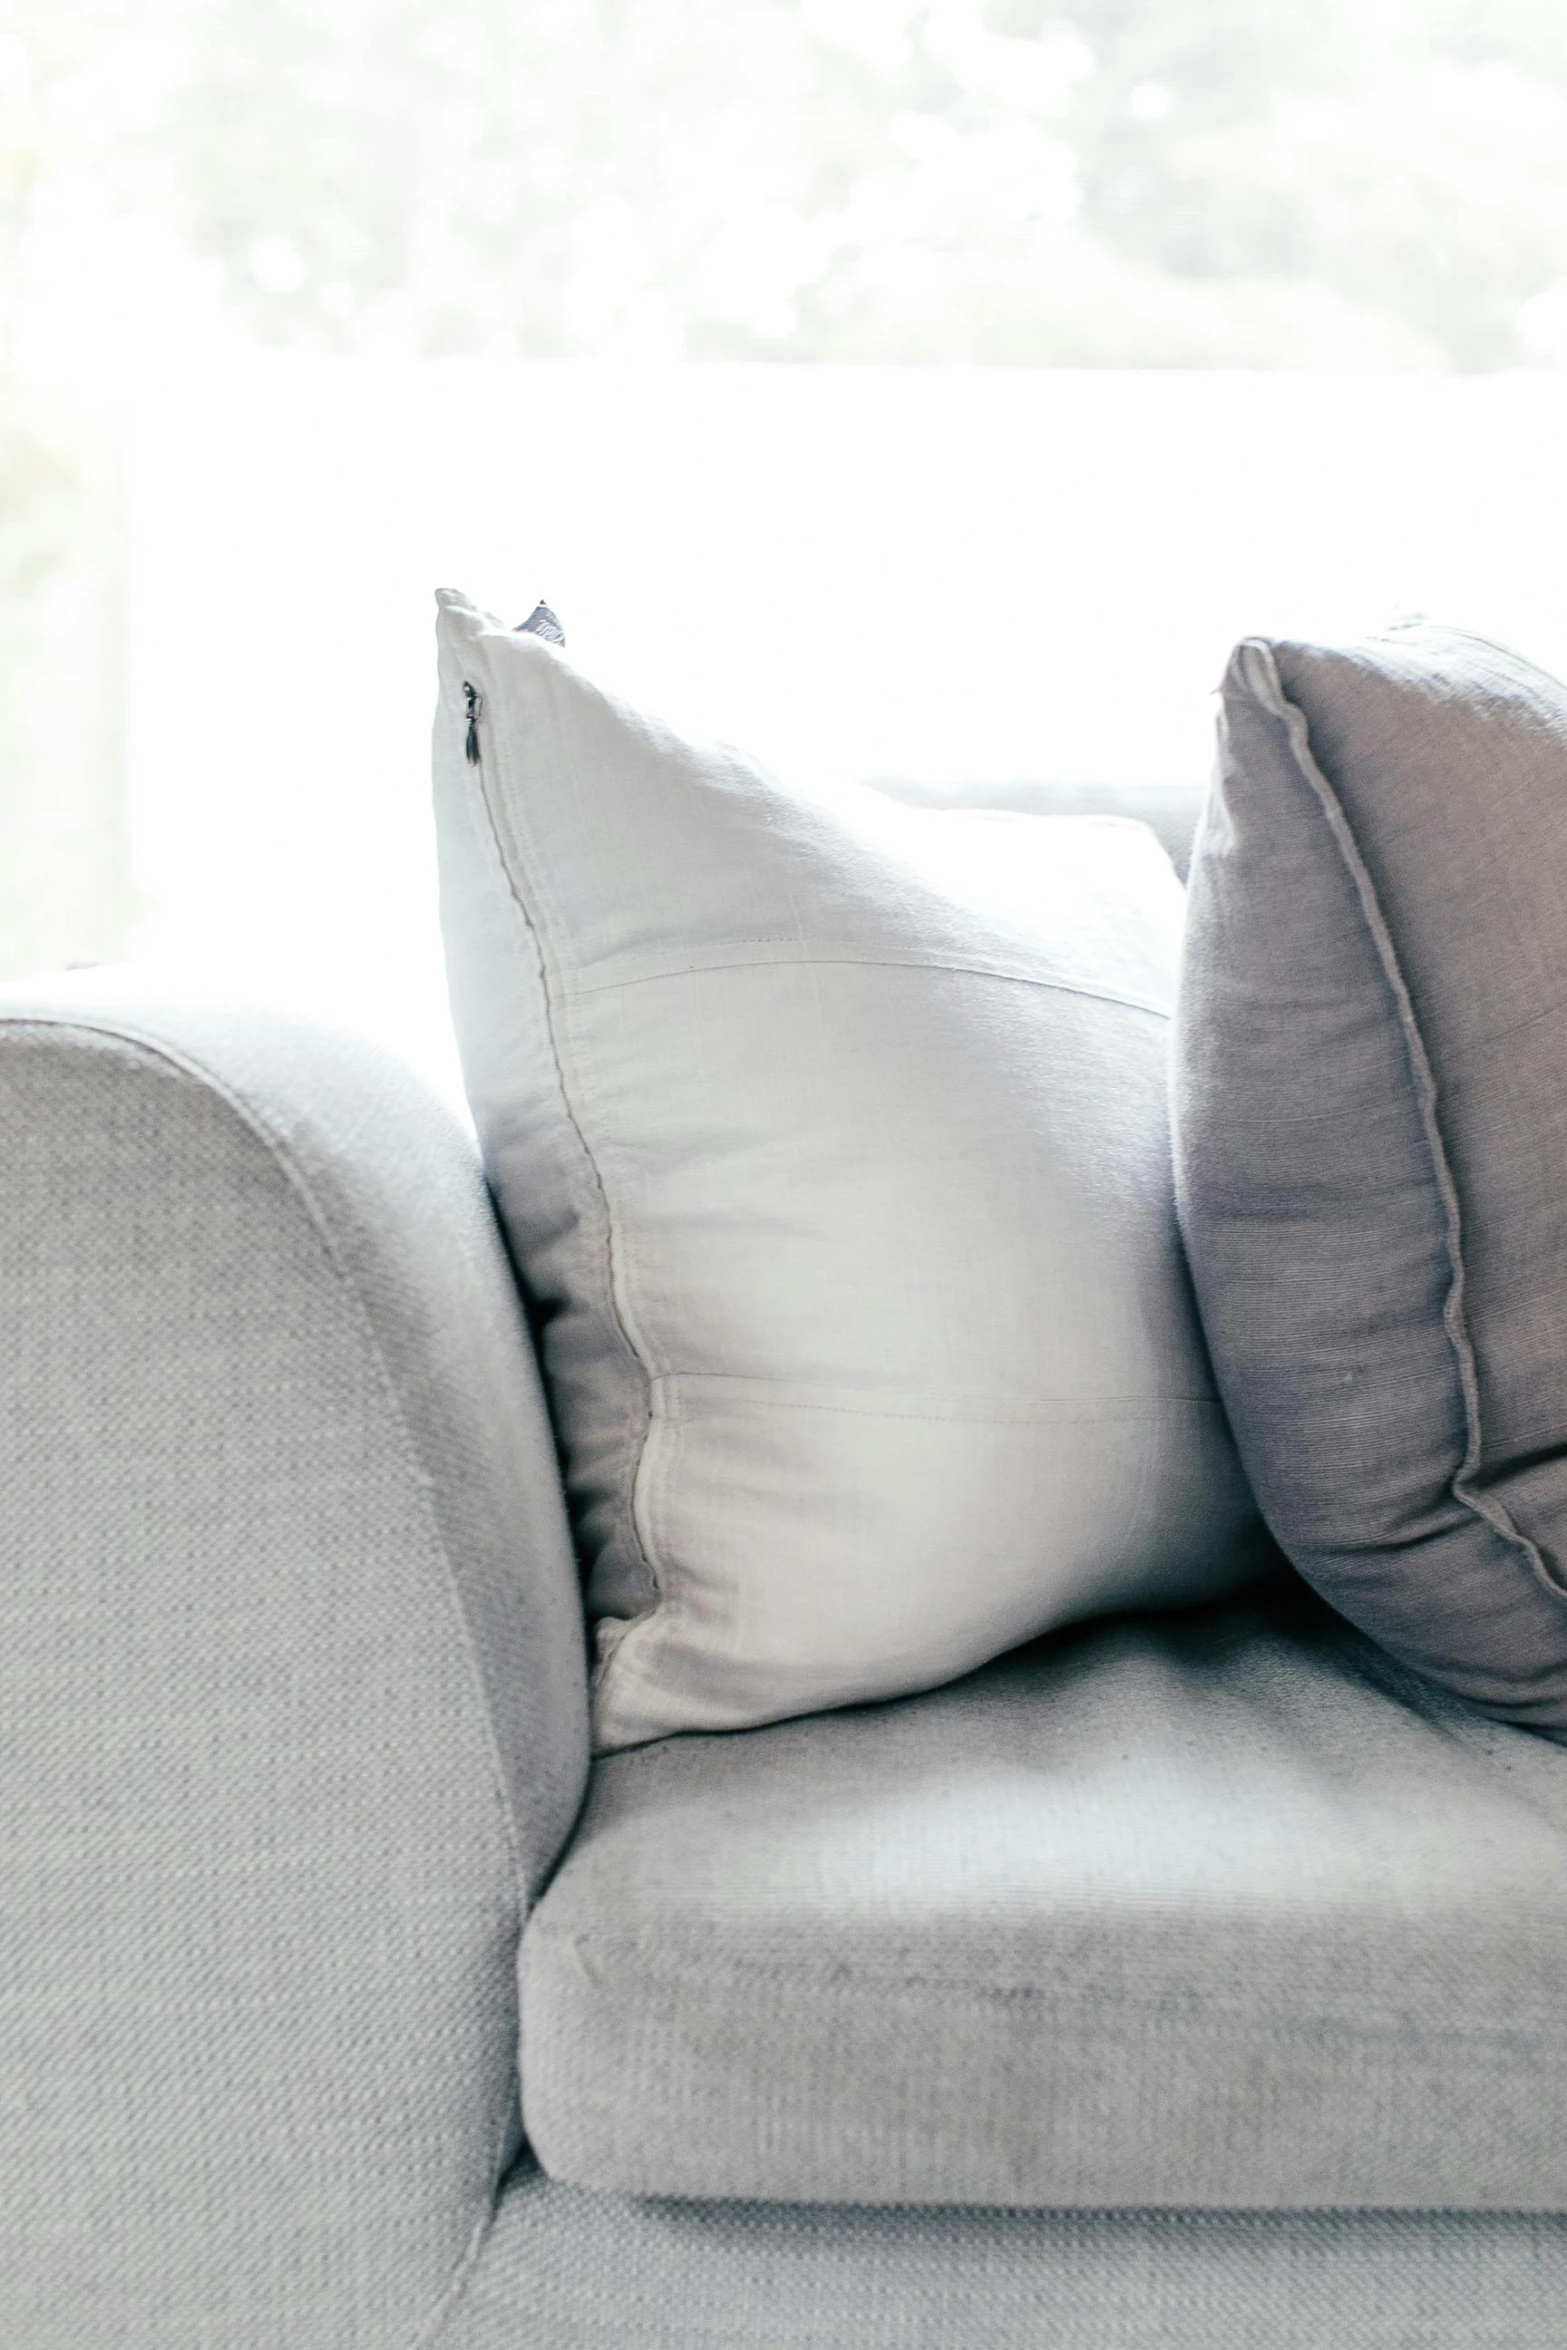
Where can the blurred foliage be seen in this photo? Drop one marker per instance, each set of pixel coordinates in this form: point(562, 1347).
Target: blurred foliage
point(41, 491)
point(1277, 184)
point(64, 127)
point(1120, 183)
point(1189, 183)
point(43, 505)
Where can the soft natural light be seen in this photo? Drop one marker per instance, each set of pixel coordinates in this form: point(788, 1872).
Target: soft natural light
point(915, 391)
point(937, 574)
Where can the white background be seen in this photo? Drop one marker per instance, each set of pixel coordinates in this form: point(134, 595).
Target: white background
point(926, 572)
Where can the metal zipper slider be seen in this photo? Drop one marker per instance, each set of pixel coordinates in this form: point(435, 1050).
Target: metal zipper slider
point(471, 697)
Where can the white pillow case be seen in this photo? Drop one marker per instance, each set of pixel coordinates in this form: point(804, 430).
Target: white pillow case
point(832, 1143)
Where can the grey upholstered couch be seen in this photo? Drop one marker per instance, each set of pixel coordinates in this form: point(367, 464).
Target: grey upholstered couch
point(1196, 1984)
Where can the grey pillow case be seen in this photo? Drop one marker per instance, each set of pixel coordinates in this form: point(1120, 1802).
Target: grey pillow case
point(1370, 1103)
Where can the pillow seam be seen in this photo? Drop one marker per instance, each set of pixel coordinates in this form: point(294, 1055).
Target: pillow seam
point(499, 837)
point(813, 960)
point(1260, 672)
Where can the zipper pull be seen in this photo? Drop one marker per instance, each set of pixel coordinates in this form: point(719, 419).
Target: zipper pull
point(471, 697)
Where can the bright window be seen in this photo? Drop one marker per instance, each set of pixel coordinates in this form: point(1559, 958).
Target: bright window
point(903, 389)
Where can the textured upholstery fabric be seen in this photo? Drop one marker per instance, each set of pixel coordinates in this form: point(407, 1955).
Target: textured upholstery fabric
point(832, 1139)
point(292, 1689)
point(1371, 1087)
point(567, 2270)
point(1226, 1910)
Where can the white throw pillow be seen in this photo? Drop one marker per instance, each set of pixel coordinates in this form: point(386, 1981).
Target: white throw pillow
point(831, 1140)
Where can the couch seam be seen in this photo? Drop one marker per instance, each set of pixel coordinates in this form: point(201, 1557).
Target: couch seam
point(1261, 675)
point(191, 1065)
point(467, 2261)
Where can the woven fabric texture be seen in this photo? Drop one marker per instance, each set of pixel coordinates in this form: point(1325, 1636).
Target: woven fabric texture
point(568, 2270)
point(1371, 1097)
point(1221, 1910)
point(292, 1699)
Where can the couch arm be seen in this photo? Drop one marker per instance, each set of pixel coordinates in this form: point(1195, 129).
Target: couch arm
point(292, 1682)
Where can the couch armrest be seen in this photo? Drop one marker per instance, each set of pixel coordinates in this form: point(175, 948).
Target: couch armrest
point(292, 1681)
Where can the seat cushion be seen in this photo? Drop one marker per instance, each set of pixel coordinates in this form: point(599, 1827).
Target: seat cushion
point(565, 2269)
point(1228, 1910)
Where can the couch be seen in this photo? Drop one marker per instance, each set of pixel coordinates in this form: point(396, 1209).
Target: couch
point(1173, 1984)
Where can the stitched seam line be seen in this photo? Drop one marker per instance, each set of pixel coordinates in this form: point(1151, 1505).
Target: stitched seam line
point(468, 2259)
point(277, 1148)
point(813, 961)
point(1262, 677)
point(500, 838)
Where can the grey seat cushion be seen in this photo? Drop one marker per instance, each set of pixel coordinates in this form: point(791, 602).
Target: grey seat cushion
point(565, 2269)
point(1227, 1910)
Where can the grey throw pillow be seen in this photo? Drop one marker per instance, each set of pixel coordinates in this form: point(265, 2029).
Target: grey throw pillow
point(1371, 1138)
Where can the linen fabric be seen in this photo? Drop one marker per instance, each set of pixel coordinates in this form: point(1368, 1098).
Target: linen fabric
point(292, 1693)
point(832, 1141)
point(1223, 1909)
point(1371, 1109)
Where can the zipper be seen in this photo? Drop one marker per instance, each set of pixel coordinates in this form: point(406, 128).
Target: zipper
point(470, 695)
